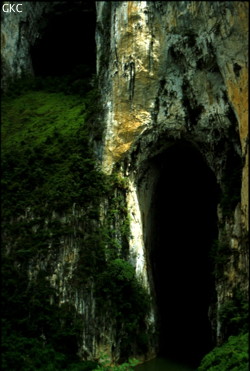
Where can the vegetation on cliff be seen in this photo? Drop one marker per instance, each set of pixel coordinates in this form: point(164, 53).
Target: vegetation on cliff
point(232, 355)
point(48, 165)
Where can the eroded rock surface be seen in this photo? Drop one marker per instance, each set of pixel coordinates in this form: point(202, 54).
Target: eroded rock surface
point(169, 73)
point(175, 72)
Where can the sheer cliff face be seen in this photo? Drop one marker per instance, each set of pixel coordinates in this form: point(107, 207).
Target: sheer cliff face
point(176, 72)
point(175, 67)
point(173, 82)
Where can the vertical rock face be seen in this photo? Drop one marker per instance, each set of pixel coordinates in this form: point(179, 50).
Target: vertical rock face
point(173, 78)
point(192, 57)
point(19, 31)
point(174, 73)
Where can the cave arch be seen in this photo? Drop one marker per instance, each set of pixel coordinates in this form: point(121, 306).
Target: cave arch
point(66, 40)
point(178, 197)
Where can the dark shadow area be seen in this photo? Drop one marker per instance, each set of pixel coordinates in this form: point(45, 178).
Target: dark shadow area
point(183, 226)
point(66, 40)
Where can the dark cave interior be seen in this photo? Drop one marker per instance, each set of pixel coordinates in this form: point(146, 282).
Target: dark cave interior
point(183, 226)
point(66, 41)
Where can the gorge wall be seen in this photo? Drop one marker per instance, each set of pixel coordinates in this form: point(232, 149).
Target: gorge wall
point(173, 82)
point(174, 79)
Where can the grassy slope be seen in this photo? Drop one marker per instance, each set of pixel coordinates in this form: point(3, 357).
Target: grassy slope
point(35, 116)
point(45, 149)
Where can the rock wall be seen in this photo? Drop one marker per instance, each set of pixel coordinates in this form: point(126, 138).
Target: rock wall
point(181, 66)
point(18, 32)
point(170, 72)
point(61, 261)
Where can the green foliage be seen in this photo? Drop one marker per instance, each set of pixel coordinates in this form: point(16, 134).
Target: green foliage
point(232, 355)
point(220, 254)
point(234, 314)
point(105, 364)
point(29, 354)
point(30, 322)
point(119, 292)
point(234, 319)
point(79, 81)
point(82, 366)
point(40, 116)
point(47, 167)
point(46, 157)
point(116, 225)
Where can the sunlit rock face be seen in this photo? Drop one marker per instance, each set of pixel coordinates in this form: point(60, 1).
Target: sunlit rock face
point(176, 72)
point(173, 79)
point(177, 67)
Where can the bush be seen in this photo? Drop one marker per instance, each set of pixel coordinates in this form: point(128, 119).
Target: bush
point(119, 292)
point(234, 314)
point(232, 355)
point(28, 354)
point(105, 364)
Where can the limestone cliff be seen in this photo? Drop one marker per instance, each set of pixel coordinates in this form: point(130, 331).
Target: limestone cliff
point(170, 72)
point(173, 83)
point(167, 62)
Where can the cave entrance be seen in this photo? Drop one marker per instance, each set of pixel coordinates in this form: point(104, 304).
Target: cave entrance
point(66, 40)
point(181, 226)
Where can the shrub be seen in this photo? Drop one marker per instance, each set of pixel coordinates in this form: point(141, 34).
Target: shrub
point(105, 364)
point(234, 314)
point(232, 355)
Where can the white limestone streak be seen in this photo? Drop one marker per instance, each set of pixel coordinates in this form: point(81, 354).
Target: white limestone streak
point(136, 243)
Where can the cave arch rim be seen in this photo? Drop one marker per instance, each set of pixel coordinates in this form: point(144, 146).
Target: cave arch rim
point(154, 148)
